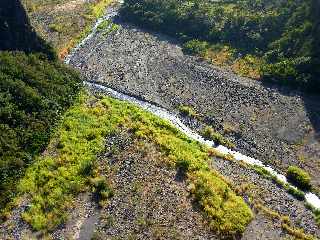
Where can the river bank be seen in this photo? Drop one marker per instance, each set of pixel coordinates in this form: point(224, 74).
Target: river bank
point(263, 122)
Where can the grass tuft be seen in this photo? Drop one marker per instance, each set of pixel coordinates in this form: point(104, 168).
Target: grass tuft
point(210, 133)
point(299, 177)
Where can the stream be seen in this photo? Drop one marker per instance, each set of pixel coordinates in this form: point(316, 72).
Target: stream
point(111, 12)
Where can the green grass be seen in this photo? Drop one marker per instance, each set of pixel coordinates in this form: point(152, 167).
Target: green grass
point(299, 177)
point(107, 27)
point(297, 193)
point(52, 182)
point(210, 133)
point(188, 111)
point(99, 8)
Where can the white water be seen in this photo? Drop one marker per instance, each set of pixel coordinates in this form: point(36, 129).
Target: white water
point(310, 198)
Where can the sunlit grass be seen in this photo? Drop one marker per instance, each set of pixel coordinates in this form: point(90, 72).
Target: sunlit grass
point(53, 181)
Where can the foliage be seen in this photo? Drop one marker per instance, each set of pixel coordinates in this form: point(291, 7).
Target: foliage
point(71, 26)
point(188, 111)
point(208, 132)
point(299, 177)
point(34, 92)
point(285, 33)
point(228, 213)
point(51, 182)
point(107, 27)
point(196, 47)
point(98, 9)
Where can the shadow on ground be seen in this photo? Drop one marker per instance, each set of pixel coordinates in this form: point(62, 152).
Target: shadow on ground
point(16, 32)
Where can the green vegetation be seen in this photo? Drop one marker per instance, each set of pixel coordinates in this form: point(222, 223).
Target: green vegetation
point(209, 133)
point(196, 47)
point(51, 182)
point(317, 215)
point(71, 20)
point(34, 92)
point(278, 40)
point(188, 111)
point(107, 27)
point(299, 177)
point(285, 222)
point(297, 193)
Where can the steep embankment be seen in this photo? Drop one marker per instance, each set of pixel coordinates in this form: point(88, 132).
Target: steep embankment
point(35, 90)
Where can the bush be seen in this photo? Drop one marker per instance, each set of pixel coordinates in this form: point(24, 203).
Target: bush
point(299, 177)
point(188, 111)
point(209, 133)
point(196, 47)
point(227, 213)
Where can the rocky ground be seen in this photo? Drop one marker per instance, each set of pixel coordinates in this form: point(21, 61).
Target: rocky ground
point(150, 198)
point(277, 126)
point(151, 201)
point(60, 22)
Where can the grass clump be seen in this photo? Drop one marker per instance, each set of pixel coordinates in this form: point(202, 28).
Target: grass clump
point(297, 193)
point(299, 177)
point(285, 222)
point(188, 111)
point(227, 212)
point(101, 188)
point(209, 133)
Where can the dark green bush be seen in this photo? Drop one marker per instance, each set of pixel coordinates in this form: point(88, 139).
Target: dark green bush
point(299, 177)
point(34, 92)
point(195, 47)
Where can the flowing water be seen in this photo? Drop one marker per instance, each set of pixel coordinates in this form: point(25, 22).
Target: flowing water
point(310, 198)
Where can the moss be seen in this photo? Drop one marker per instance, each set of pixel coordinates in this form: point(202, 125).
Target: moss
point(52, 182)
point(299, 177)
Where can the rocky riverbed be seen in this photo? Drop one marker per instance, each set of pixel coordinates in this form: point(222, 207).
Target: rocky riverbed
point(279, 127)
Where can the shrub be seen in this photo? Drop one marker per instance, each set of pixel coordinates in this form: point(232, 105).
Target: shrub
point(101, 188)
point(299, 177)
point(209, 133)
point(196, 47)
point(188, 111)
point(227, 213)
